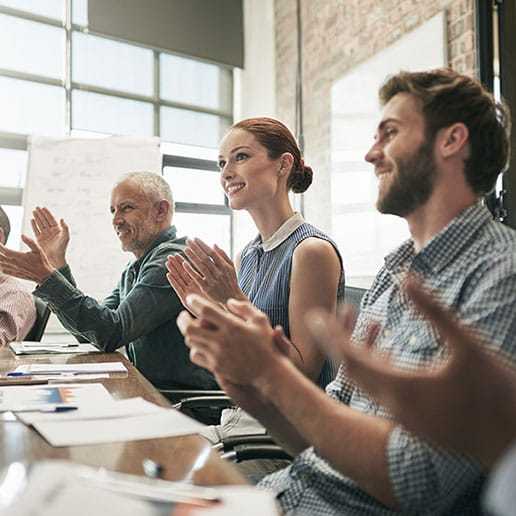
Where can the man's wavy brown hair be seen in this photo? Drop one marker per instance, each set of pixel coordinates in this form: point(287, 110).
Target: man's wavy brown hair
point(448, 97)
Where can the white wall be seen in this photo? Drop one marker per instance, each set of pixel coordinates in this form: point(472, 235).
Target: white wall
point(255, 85)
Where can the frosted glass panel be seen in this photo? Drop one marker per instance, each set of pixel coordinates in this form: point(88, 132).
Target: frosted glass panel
point(13, 164)
point(49, 8)
point(27, 107)
point(190, 151)
point(31, 47)
point(122, 67)
point(212, 229)
point(113, 115)
point(80, 12)
point(195, 186)
point(191, 128)
point(192, 82)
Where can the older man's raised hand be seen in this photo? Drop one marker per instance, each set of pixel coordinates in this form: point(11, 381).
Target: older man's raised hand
point(51, 236)
point(32, 265)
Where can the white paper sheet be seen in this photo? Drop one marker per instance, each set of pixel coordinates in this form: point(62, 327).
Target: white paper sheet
point(100, 367)
point(110, 410)
point(46, 348)
point(164, 423)
point(238, 501)
point(82, 395)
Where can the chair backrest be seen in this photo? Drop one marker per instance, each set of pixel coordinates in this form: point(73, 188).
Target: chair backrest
point(353, 296)
point(42, 314)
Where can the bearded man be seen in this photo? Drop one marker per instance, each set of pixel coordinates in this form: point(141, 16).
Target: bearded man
point(440, 145)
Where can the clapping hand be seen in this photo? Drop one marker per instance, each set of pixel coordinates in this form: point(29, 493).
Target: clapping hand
point(213, 271)
point(466, 402)
point(32, 265)
point(51, 236)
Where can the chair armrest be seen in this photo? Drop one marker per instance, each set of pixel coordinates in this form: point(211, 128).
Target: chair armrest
point(177, 395)
point(216, 402)
point(255, 451)
point(257, 439)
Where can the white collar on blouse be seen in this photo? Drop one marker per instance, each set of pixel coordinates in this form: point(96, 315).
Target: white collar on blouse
point(283, 232)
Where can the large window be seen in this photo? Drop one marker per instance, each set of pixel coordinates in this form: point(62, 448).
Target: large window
point(56, 79)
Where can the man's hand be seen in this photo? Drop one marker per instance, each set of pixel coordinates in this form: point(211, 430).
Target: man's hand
point(238, 344)
point(32, 265)
point(466, 403)
point(52, 237)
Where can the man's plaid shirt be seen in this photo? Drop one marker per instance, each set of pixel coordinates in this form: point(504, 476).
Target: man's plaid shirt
point(471, 266)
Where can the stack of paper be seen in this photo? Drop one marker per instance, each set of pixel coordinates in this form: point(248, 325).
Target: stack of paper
point(98, 418)
point(46, 348)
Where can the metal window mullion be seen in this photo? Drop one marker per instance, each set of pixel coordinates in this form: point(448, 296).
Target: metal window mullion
point(190, 163)
point(24, 76)
point(68, 67)
point(111, 93)
point(204, 209)
point(14, 141)
point(157, 72)
point(147, 98)
point(198, 109)
point(9, 11)
point(11, 196)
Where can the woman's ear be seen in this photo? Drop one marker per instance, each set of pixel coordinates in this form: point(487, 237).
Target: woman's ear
point(286, 161)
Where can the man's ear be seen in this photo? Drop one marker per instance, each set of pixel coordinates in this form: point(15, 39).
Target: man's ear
point(2, 236)
point(162, 210)
point(453, 140)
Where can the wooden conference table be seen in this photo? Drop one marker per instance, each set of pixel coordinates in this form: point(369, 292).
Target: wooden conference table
point(183, 458)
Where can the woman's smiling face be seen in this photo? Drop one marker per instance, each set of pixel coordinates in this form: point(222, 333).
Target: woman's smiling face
point(247, 175)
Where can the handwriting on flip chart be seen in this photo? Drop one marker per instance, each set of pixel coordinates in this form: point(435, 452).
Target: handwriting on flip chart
point(73, 177)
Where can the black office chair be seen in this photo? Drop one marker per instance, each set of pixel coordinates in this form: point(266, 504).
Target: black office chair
point(42, 314)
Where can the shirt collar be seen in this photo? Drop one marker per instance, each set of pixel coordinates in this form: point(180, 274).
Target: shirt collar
point(164, 236)
point(281, 234)
point(444, 246)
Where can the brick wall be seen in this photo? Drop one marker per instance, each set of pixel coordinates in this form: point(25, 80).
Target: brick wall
point(337, 35)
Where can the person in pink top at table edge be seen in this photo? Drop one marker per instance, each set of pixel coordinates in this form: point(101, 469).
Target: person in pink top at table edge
point(17, 308)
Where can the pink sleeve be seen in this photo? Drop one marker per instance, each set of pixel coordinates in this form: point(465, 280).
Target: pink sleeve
point(17, 313)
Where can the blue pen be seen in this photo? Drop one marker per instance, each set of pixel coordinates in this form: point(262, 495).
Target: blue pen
point(47, 408)
point(14, 374)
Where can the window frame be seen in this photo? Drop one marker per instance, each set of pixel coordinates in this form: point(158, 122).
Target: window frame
point(10, 140)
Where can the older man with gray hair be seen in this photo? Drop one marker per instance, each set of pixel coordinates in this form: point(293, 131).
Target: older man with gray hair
point(141, 312)
point(17, 309)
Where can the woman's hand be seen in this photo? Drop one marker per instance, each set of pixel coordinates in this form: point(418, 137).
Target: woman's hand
point(213, 272)
point(180, 279)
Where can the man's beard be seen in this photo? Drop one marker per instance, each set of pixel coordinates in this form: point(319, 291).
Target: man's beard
point(412, 183)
